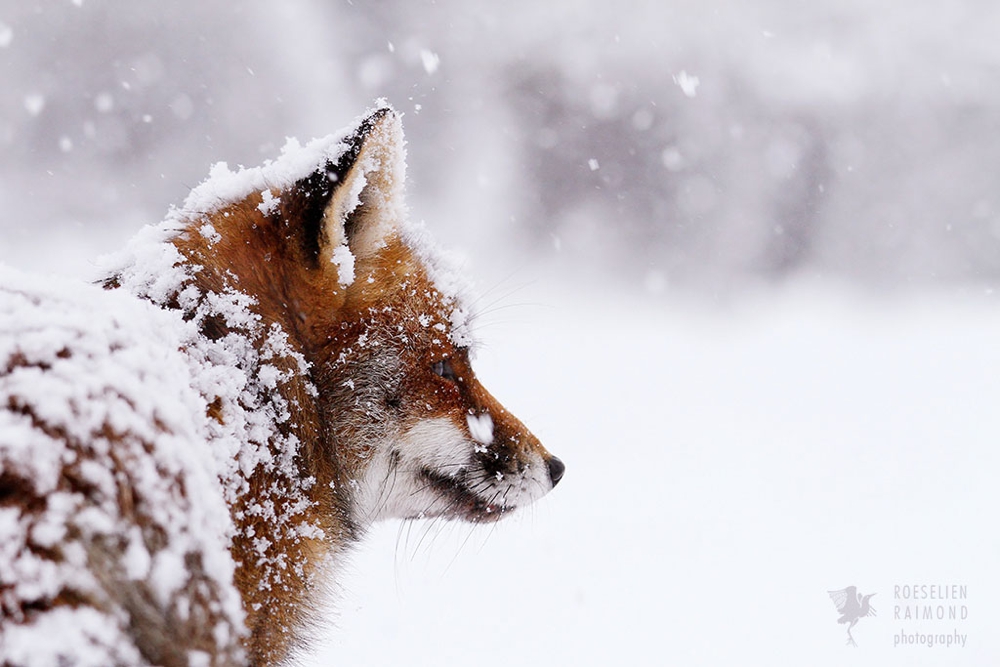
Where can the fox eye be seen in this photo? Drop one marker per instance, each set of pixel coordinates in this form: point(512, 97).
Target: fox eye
point(443, 368)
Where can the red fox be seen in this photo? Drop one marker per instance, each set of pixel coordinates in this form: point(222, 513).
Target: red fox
point(188, 448)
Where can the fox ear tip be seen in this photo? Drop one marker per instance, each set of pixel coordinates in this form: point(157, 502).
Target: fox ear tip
point(382, 115)
point(380, 126)
point(382, 107)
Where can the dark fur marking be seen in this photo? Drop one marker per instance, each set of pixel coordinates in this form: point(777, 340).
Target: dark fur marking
point(14, 490)
point(214, 327)
point(496, 459)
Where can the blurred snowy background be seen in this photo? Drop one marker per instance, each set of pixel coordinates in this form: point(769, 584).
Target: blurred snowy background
point(743, 258)
point(663, 143)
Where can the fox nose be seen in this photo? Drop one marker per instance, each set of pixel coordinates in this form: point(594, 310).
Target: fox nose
point(556, 469)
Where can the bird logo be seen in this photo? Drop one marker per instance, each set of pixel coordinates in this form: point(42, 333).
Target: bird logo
point(852, 607)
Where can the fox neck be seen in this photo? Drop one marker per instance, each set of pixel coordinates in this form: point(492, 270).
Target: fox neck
point(293, 515)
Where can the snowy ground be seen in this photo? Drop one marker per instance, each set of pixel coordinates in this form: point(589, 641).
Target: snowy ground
point(727, 467)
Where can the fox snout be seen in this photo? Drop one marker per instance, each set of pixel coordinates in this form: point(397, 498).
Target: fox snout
point(481, 429)
point(455, 451)
point(476, 464)
point(504, 447)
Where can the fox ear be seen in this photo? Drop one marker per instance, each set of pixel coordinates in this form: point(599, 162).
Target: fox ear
point(353, 203)
point(366, 205)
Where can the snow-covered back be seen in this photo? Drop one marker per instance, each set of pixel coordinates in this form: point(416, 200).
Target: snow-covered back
point(96, 384)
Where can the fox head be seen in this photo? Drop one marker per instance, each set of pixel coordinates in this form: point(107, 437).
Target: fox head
point(401, 426)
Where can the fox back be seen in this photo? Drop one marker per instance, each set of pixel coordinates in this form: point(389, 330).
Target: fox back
point(188, 449)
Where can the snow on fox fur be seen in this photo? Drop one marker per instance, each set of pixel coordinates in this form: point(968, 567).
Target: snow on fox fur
point(188, 448)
